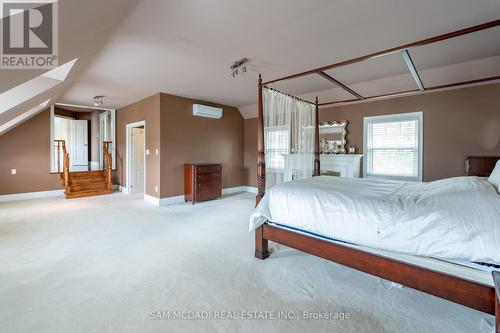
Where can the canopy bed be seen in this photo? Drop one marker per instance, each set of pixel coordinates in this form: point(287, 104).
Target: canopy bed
point(385, 249)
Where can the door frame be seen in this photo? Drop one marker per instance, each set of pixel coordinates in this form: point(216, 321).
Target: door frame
point(101, 140)
point(72, 145)
point(129, 157)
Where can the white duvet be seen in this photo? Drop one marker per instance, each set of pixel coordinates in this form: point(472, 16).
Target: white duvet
point(454, 218)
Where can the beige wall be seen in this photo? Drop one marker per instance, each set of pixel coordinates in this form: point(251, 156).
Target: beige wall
point(181, 138)
point(93, 128)
point(189, 139)
point(250, 151)
point(148, 110)
point(457, 123)
point(170, 128)
point(26, 148)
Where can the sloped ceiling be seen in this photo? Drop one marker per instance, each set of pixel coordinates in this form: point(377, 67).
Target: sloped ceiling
point(84, 29)
point(186, 47)
point(129, 49)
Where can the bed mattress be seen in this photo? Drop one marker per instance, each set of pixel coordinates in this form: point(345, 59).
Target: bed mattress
point(463, 269)
point(452, 219)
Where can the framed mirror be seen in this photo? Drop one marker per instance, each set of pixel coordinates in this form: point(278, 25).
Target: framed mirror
point(332, 137)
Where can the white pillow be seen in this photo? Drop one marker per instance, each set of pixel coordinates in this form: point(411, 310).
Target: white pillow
point(494, 178)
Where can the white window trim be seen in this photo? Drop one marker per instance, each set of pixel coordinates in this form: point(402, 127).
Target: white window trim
point(390, 118)
point(278, 128)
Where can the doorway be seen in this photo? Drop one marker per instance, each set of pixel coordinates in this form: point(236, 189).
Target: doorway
point(79, 147)
point(83, 129)
point(75, 134)
point(136, 158)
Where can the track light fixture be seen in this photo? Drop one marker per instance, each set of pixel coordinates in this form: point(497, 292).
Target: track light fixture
point(239, 67)
point(98, 100)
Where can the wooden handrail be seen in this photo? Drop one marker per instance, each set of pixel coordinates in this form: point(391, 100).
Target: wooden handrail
point(61, 144)
point(108, 164)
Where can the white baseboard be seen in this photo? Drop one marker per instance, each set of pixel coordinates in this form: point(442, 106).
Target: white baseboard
point(171, 200)
point(31, 195)
point(231, 190)
point(148, 198)
point(39, 195)
point(152, 200)
point(161, 202)
point(251, 189)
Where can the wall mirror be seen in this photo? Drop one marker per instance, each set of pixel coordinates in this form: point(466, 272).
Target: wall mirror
point(332, 137)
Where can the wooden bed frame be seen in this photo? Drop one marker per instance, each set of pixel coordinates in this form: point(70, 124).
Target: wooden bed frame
point(471, 294)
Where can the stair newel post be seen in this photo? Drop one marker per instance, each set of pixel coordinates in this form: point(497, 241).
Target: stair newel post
point(65, 165)
point(58, 157)
point(109, 163)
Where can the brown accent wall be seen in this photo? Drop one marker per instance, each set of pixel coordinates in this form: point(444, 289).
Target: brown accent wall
point(170, 128)
point(93, 129)
point(26, 148)
point(64, 113)
point(457, 123)
point(250, 152)
point(189, 139)
point(148, 110)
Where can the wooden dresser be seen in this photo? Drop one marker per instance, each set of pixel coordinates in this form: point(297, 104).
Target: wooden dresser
point(202, 181)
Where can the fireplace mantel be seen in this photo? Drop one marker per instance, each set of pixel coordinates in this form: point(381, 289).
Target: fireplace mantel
point(345, 165)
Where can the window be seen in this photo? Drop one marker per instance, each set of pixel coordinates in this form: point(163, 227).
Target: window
point(393, 146)
point(277, 145)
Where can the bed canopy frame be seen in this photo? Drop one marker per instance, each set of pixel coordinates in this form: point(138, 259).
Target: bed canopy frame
point(471, 294)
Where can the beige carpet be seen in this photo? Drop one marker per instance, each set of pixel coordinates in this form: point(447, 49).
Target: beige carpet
point(107, 264)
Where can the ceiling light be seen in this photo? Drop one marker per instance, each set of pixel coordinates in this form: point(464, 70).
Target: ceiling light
point(98, 100)
point(237, 65)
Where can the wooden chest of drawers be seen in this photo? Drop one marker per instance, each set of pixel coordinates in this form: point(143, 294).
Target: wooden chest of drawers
point(202, 182)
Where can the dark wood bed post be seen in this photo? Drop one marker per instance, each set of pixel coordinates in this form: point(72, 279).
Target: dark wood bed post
point(261, 248)
point(496, 280)
point(316, 141)
point(261, 158)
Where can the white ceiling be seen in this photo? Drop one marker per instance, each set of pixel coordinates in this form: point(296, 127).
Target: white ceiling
point(131, 49)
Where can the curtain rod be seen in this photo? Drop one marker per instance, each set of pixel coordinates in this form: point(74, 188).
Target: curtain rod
point(291, 96)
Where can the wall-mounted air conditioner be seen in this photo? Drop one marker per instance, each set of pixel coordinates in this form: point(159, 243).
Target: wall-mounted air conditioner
point(206, 111)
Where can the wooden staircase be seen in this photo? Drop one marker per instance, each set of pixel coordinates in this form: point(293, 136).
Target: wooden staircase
point(78, 184)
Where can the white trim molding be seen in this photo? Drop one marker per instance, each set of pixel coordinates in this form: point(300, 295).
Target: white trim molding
point(152, 200)
point(231, 190)
point(396, 117)
point(252, 189)
point(31, 195)
point(40, 195)
point(128, 157)
point(84, 106)
point(179, 199)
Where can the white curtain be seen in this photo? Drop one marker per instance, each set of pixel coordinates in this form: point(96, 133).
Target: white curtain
point(288, 137)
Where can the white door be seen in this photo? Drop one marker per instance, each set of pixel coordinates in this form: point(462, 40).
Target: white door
point(138, 144)
point(105, 135)
point(79, 158)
